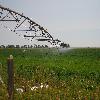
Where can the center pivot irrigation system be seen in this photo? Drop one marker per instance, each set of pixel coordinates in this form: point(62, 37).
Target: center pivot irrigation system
point(24, 26)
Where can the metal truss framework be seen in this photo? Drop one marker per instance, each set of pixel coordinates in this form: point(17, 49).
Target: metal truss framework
point(24, 26)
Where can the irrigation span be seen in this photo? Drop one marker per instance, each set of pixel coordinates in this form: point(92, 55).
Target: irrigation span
point(24, 26)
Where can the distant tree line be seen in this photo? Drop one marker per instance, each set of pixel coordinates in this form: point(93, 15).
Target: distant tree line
point(24, 46)
point(63, 45)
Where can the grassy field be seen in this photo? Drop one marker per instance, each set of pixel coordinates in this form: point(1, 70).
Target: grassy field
point(47, 74)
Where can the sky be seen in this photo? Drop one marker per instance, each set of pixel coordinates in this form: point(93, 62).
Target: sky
point(76, 22)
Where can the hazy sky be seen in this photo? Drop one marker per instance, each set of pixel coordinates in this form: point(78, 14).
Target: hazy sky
point(76, 22)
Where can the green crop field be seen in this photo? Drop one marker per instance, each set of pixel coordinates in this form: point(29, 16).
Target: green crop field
point(47, 74)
